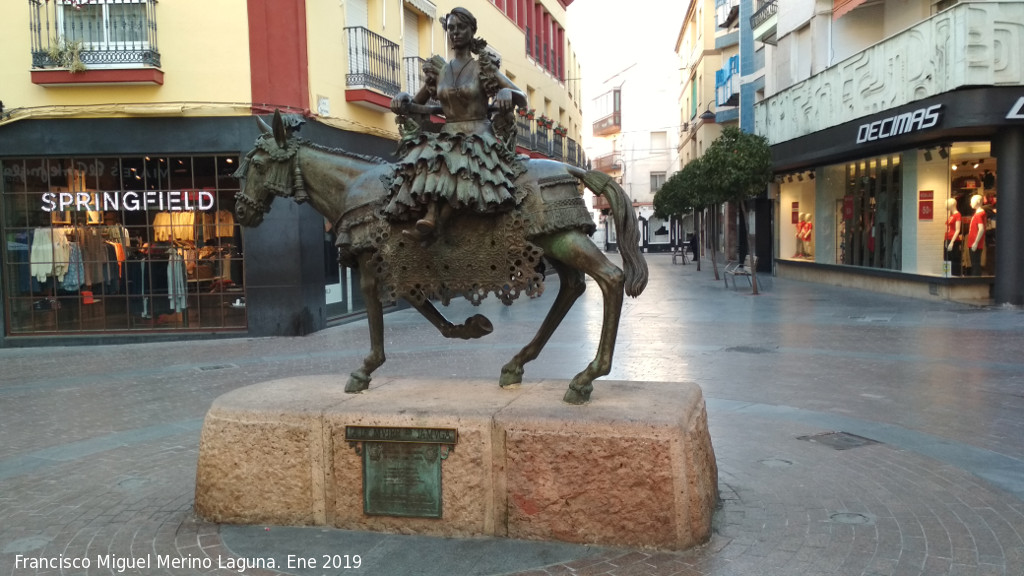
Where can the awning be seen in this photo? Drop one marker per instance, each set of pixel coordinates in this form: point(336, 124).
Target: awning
point(425, 6)
point(840, 7)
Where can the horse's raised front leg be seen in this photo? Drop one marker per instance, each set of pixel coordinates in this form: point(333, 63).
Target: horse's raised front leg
point(577, 251)
point(360, 379)
point(476, 326)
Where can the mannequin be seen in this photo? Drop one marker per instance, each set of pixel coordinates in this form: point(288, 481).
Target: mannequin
point(953, 243)
point(808, 235)
point(800, 253)
point(976, 234)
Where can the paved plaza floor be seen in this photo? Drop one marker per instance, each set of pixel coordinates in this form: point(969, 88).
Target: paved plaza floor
point(855, 434)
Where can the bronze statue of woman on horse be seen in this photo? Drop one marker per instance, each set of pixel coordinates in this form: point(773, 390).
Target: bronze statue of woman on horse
point(458, 214)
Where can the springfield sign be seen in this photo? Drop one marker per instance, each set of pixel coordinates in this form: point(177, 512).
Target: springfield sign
point(129, 201)
point(920, 119)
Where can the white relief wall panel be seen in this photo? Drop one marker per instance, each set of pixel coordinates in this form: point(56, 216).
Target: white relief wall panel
point(973, 44)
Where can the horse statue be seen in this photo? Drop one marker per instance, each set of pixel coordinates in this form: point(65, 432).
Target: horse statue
point(476, 255)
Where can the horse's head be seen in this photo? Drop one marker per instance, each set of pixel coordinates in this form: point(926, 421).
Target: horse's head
point(269, 169)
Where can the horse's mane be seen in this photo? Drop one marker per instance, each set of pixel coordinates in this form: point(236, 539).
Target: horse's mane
point(339, 151)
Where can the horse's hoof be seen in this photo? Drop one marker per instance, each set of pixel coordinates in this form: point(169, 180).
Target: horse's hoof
point(511, 377)
point(357, 383)
point(578, 394)
point(479, 326)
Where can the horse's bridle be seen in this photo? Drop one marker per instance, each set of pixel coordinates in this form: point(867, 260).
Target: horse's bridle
point(283, 177)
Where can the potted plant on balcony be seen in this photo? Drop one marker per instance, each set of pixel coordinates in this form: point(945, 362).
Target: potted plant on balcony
point(545, 122)
point(528, 113)
point(561, 131)
point(67, 54)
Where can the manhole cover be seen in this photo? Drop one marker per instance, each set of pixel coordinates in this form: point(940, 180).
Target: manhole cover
point(850, 518)
point(775, 462)
point(749, 349)
point(839, 440)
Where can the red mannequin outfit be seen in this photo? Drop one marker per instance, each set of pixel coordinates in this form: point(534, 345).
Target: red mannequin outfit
point(953, 245)
point(976, 240)
point(951, 225)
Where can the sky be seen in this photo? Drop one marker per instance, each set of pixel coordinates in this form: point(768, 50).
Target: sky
point(610, 35)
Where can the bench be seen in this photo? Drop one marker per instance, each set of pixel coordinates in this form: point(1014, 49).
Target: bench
point(734, 269)
point(679, 252)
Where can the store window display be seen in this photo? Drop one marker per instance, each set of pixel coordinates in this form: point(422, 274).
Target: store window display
point(121, 244)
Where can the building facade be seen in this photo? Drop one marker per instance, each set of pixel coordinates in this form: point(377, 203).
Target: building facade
point(123, 121)
point(635, 141)
point(897, 130)
point(723, 76)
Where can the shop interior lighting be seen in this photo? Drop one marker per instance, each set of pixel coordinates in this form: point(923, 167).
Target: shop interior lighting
point(943, 152)
point(811, 175)
point(800, 176)
point(927, 154)
point(953, 166)
point(790, 177)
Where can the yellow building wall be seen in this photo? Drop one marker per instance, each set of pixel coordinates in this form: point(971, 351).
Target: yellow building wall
point(328, 60)
point(205, 63)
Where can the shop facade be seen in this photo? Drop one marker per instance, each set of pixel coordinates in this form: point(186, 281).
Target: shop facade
point(922, 199)
point(123, 229)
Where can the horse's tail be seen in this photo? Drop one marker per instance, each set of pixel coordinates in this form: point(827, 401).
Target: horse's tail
point(633, 263)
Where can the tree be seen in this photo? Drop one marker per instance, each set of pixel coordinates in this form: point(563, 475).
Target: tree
point(738, 166)
point(682, 192)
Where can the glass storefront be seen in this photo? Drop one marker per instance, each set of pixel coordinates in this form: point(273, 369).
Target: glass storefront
point(114, 244)
point(924, 211)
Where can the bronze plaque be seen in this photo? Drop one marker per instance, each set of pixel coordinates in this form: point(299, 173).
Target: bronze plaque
point(402, 468)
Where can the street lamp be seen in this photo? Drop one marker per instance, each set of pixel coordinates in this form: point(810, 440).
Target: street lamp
point(707, 115)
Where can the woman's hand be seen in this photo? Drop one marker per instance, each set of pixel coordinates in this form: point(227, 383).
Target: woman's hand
point(400, 103)
point(503, 100)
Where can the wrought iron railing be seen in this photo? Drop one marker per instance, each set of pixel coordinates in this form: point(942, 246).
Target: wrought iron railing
point(542, 141)
point(572, 152)
point(765, 10)
point(413, 68)
point(524, 137)
point(373, 61)
point(94, 34)
point(557, 147)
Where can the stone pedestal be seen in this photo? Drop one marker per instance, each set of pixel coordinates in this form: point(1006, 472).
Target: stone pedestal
point(633, 468)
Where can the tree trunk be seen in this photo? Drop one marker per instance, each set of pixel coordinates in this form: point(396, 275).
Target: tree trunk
point(697, 224)
point(750, 246)
point(714, 240)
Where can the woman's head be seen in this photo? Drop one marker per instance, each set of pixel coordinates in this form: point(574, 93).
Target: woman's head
point(462, 14)
point(460, 26)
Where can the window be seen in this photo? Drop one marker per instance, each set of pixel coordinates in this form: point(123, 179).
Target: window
point(105, 25)
point(659, 143)
point(657, 180)
point(121, 244)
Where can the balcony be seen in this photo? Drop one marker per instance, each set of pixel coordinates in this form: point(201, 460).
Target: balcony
point(101, 42)
point(374, 69)
point(726, 13)
point(610, 164)
point(948, 54)
point(763, 21)
point(727, 83)
point(611, 124)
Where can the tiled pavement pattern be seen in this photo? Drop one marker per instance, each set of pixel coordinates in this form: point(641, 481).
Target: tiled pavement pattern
point(98, 444)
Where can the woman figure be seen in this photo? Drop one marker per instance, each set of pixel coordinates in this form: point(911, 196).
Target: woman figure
point(952, 240)
point(466, 165)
